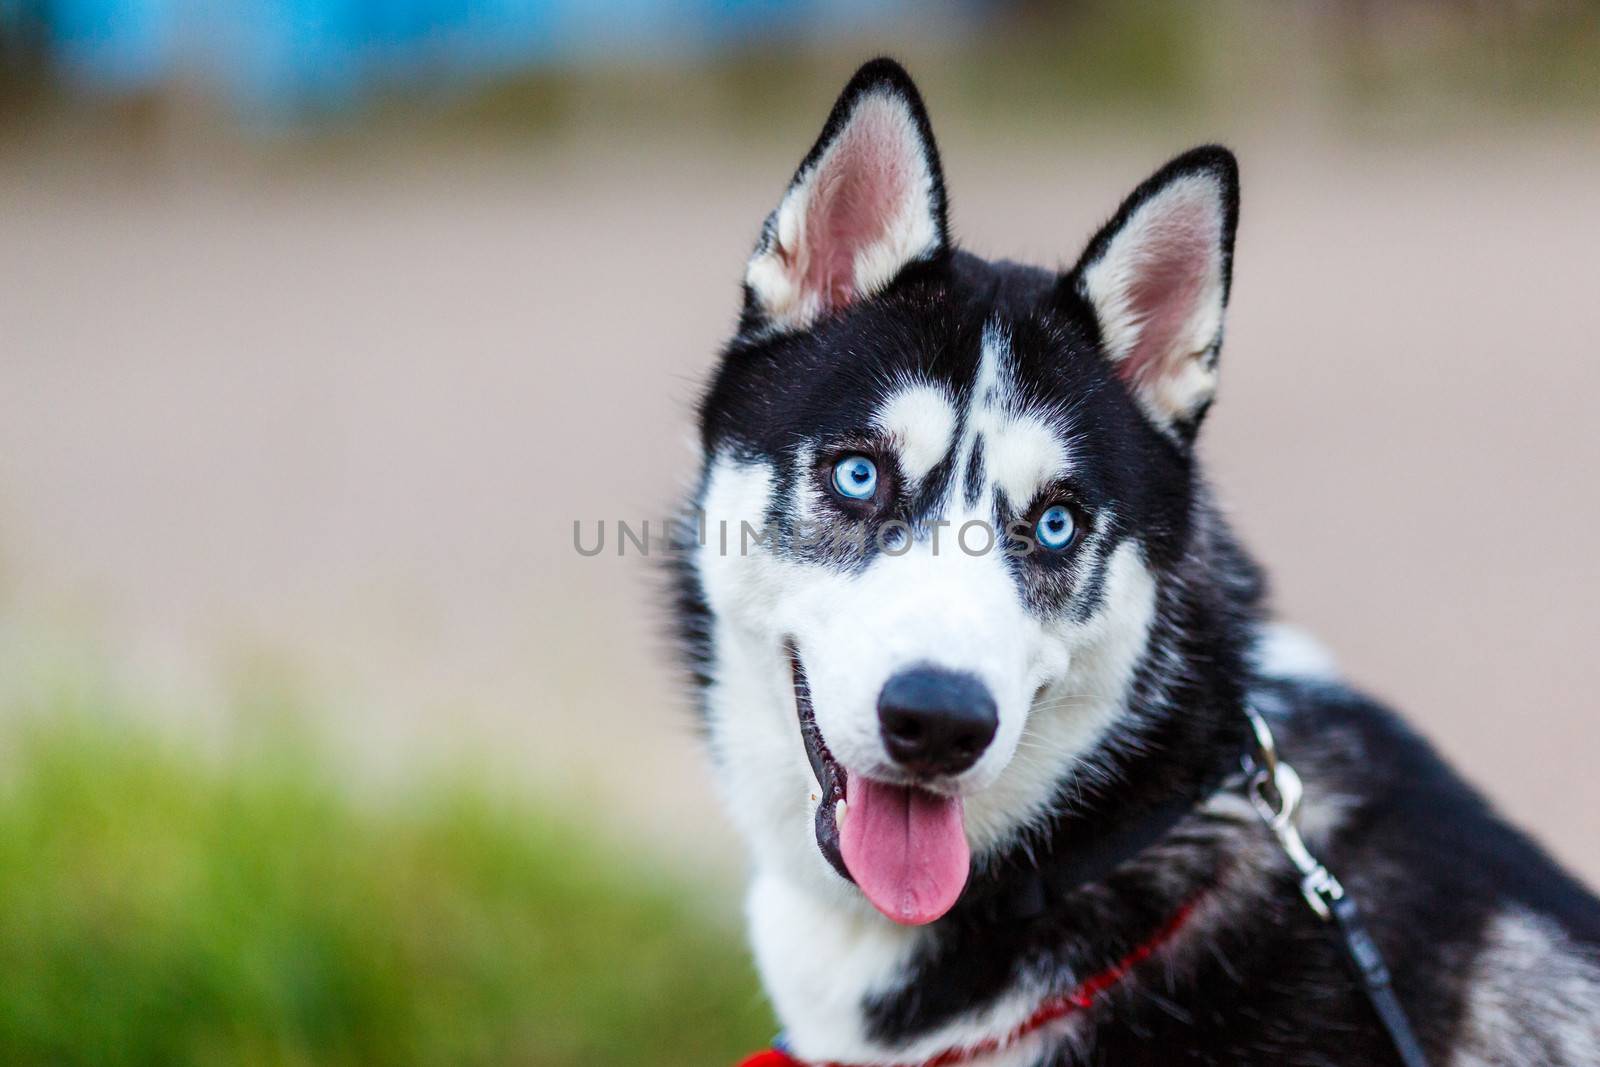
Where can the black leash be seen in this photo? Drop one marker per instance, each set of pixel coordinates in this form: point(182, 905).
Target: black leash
point(1276, 791)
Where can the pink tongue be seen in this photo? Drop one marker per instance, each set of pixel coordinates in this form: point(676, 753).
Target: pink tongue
point(906, 849)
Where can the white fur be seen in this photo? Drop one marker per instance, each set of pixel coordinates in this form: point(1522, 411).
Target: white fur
point(1083, 701)
point(1288, 652)
point(1530, 989)
point(921, 420)
point(1023, 449)
point(1024, 453)
point(817, 963)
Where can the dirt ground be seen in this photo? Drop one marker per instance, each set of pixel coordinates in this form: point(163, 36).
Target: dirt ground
point(335, 420)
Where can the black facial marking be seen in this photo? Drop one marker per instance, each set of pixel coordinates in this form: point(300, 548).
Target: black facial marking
point(933, 490)
point(974, 488)
point(826, 386)
point(1090, 593)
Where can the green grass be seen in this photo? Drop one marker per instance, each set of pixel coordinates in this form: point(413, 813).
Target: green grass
point(160, 906)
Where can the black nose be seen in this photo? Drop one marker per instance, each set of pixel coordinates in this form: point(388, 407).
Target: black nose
point(936, 722)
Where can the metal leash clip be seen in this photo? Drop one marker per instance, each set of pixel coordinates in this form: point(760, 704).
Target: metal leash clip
point(1275, 792)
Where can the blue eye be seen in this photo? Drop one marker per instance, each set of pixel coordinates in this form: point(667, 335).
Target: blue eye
point(855, 477)
point(1055, 528)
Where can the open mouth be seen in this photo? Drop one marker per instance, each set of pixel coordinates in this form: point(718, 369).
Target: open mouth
point(904, 847)
point(830, 776)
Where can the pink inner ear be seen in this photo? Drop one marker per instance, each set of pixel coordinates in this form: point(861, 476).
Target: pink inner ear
point(1173, 269)
point(860, 188)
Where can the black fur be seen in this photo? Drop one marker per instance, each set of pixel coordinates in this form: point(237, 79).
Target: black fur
point(1263, 982)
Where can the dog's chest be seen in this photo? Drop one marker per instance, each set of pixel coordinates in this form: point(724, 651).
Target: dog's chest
point(825, 962)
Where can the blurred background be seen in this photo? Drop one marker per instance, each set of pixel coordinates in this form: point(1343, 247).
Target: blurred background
point(323, 321)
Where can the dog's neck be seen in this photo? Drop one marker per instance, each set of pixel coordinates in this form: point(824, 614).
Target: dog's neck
point(1052, 1021)
point(851, 987)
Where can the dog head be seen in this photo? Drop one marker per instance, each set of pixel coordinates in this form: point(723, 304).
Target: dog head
point(939, 501)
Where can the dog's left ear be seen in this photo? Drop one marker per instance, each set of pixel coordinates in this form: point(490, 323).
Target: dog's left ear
point(866, 202)
point(1157, 277)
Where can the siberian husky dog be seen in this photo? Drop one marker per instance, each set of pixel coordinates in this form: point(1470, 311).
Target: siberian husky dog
point(977, 652)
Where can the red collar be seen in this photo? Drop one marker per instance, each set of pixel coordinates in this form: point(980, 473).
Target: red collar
point(1056, 1008)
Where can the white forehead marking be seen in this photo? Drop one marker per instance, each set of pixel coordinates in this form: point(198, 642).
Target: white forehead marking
point(921, 420)
point(996, 348)
point(1022, 451)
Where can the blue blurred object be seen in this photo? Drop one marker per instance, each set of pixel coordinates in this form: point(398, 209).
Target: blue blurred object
point(300, 55)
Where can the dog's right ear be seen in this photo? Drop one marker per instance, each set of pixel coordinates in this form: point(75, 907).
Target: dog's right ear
point(867, 201)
